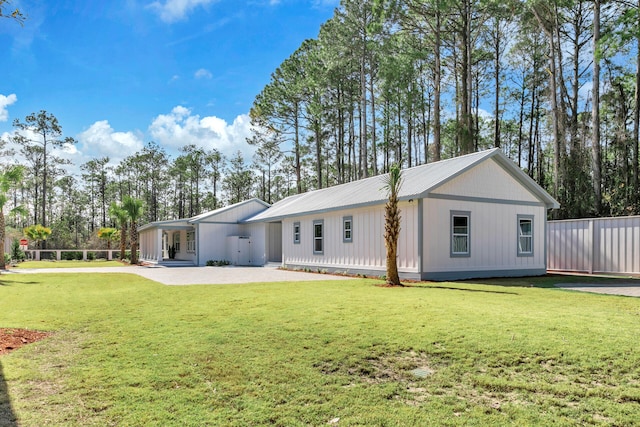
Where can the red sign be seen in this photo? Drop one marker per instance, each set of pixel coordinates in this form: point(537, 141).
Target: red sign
point(24, 242)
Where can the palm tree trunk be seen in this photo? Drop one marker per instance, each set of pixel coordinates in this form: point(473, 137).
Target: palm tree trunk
point(123, 241)
point(392, 231)
point(133, 234)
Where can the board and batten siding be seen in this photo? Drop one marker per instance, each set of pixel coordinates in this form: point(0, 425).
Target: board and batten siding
point(595, 245)
point(211, 241)
point(487, 180)
point(237, 213)
point(213, 231)
point(257, 233)
point(365, 253)
point(495, 201)
point(493, 239)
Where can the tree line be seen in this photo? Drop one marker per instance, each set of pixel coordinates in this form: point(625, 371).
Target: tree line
point(554, 84)
point(75, 208)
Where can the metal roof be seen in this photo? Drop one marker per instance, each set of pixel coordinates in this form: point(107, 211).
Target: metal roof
point(417, 182)
point(187, 222)
point(210, 214)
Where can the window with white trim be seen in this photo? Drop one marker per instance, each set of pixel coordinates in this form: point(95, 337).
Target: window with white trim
point(347, 229)
point(318, 237)
point(296, 232)
point(525, 235)
point(191, 241)
point(460, 234)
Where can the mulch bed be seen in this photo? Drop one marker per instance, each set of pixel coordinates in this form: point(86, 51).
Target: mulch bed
point(12, 339)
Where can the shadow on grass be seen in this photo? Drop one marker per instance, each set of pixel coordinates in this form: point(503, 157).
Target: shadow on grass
point(549, 281)
point(10, 283)
point(7, 416)
point(451, 288)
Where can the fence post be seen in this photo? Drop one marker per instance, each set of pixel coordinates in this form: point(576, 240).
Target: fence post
point(592, 247)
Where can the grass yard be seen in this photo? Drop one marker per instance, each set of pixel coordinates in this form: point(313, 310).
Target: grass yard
point(69, 264)
point(128, 351)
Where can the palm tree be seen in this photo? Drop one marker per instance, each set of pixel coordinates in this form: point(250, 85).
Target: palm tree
point(108, 234)
point(37, 232)
point(119, 215)
point(133, 207)
point(392, 183)
point(8, 179)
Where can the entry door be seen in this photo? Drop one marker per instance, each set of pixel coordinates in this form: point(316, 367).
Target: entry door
point(244, 251)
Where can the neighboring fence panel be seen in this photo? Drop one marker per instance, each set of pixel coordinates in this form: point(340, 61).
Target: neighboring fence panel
point(596, 245)
point(56, 254)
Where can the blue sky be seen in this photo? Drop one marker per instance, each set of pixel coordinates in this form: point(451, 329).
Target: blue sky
point(120, 73)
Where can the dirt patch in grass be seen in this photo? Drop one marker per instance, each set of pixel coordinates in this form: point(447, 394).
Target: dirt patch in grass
point(12, 339)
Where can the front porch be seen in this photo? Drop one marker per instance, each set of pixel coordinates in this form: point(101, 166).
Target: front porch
point(168, 243)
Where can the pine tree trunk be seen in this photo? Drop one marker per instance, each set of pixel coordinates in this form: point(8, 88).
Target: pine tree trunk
point(2, 239)
point(595, 115)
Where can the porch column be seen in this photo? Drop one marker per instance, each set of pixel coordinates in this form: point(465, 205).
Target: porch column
point(158, 251)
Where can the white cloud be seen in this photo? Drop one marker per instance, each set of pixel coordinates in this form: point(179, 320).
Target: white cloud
point(5, 101)
point(176, 10)
point(203, 73)
point(100, 140)
point(180, 127)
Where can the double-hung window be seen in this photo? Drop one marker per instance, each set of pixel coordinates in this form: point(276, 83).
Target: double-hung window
point(460, 234)
point(347, 229)
point(296, 232)
point(525, 235)
point(318, 237)
point(191, 241)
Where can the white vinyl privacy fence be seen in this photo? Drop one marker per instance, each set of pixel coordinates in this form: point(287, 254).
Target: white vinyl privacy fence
point(596, 245)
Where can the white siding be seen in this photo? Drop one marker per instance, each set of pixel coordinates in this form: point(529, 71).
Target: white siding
point(487, 180)
point(257, 232)
point(606, 245)
point(212, 241)
point(237, 213)
point(493, 237)
point(365, 252)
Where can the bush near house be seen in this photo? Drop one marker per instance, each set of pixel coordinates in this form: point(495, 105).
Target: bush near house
point(217, 263)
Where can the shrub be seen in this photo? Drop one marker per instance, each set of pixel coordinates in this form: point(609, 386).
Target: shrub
point(17, 254)
point(217, 263)
point(70, 256)
point(91, 256)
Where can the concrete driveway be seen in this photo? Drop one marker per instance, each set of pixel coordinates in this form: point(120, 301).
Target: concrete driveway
point(630, 289)
point(197, 275)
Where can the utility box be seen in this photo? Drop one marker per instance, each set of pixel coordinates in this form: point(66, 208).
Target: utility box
point(239, 250)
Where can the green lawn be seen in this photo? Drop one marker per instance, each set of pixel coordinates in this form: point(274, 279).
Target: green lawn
point(128, 351)
point(69, 264)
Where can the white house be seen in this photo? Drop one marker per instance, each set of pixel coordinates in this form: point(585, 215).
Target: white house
point(209, 236)
point(477, 215)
